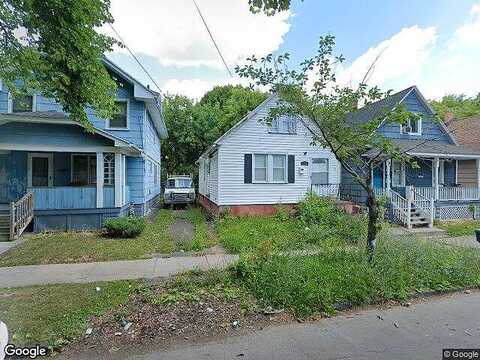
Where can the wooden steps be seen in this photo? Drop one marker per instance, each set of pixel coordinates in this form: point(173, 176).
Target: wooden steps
point(417, 219)
point(4, 226)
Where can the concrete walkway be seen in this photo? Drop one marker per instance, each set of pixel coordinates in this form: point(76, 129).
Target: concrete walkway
point(111, 270)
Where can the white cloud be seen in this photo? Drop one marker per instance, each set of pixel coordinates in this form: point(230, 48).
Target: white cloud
point(414, 56)
point(402, 55)
point(172, 31)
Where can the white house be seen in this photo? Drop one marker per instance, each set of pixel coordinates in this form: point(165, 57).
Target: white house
point(255, 166)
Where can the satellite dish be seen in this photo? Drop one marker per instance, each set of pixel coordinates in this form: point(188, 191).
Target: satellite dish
point(3, 339)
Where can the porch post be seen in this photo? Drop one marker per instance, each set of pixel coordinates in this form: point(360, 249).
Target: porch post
point(388, 175)
point(100, 179)
point(118, 180)
point(436, 175)
point(478, 178)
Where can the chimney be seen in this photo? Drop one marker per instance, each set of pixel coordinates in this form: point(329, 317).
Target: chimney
point(448, 117)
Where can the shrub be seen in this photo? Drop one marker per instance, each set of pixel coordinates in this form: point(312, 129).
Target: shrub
point(324, 220)
point(125, 227)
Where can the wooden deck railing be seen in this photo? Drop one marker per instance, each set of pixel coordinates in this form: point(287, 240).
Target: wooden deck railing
point(447, 193)
point(326, 190)
point(21, 214)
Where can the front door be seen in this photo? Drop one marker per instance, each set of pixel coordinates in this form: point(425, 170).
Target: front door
point(40, 170)
point(319, 172)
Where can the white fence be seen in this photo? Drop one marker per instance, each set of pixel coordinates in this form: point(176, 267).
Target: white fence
point(450, 193)
point(326, 190)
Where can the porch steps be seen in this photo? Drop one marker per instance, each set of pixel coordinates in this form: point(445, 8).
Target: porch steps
point(417, 219)
point(4, 226)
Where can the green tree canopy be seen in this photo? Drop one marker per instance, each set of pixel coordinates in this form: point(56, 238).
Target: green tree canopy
point(269, 7)
point(460, 106)
point(193, 127)
point(54, 47)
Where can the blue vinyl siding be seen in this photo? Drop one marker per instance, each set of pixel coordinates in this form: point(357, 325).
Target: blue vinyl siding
point(151, 140)
point(151, 189)
point(65, 197)
point(422, 176)
point(431, 130)
point(13, 175)
point(50, 134)
point(135, 179)
point(3, 101)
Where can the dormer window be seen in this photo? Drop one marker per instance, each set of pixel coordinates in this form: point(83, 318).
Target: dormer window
point(119, 121)
point(412, 127)
point(284, 125)
point(22, 103)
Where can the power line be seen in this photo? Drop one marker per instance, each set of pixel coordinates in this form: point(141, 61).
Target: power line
point(212, 38)
point(136, 59)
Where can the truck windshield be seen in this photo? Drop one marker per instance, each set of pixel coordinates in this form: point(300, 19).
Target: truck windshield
point(179, 183)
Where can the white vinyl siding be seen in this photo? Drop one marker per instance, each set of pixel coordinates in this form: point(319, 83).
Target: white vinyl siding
point(208, 177)
point(254, 137)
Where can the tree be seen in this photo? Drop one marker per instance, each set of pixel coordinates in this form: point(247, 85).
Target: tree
point(53, 47)
point(357, 146)
point(269, 7)
point(193, 127)
point(460, 106)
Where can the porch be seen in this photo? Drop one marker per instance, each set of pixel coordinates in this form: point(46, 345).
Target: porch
point(65, 190)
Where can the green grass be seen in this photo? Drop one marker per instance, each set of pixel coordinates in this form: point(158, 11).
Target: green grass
point(76, 247)
point(55, 315)
point(204, 236)
point(313, 284)
point(460, 228)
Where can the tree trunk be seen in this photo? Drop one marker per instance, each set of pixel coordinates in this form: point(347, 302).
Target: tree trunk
point(373, 213)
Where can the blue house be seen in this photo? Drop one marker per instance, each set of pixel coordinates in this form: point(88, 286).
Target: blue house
point(418, 195)
point(60, 177)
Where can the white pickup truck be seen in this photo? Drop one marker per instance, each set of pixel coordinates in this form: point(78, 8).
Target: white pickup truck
point(179, 189)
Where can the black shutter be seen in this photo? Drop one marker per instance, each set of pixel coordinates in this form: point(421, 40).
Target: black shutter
point(291, 169)
point(247, 169)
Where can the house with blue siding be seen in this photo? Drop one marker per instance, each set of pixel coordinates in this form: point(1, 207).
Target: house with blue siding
point(431, 190)
point(58, 176)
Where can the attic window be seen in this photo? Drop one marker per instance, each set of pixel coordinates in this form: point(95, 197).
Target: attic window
point(284, 125)
point(412, 127)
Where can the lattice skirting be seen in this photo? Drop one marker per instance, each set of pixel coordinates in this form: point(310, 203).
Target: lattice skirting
point(452, 212)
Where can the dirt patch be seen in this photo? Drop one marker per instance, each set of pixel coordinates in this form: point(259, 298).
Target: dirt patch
point(161, 315)
point(182, 229)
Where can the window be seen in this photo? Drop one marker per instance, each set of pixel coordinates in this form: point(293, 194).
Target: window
point(22, 103)
point(279, 168)
point(269, 168)
point(120, 118)
point(412, 127)
point(84, 170)
point(260, 168)
point(284, 125)
point(319, 171)
point(109, 169)
point(398, 173)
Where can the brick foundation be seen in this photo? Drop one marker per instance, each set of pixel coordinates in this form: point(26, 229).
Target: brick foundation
point(264, 209)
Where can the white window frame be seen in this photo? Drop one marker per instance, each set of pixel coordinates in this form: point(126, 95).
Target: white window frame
point(276, 129)
point(285, 168)
point(254, 180)
point(402, 173)
point(328, 169)
point(408, 124)
point(10, 103)
point(30, 168)
point(109, 171)
point(108, 127)
point(269, 169)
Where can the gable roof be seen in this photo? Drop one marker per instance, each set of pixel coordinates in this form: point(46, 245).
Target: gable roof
point(466, 131)
point(143, 93)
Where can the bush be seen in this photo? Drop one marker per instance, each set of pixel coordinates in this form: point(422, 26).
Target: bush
point(125, 227)
point(324, 220)
point(342, 276)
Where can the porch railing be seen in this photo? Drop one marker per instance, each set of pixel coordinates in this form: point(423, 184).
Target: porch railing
point(446, 193)
point(21, 214)
point(400, 208)
point(326, 190)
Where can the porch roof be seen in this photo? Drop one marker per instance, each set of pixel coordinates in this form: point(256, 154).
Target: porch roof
point(55, 117)
point(432, 148)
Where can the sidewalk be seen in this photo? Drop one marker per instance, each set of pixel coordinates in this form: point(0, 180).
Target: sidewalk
point(111, 270)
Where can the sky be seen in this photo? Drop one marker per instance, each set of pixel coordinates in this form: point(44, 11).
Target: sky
point(434, 44)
